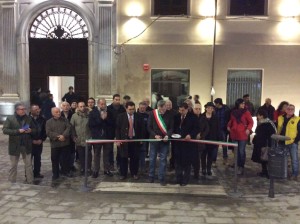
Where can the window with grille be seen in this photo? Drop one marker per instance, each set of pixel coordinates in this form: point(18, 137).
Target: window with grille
point(170, 7)
point(241, 82)
point(171, 84)
point(248, 7)
point(58, 23)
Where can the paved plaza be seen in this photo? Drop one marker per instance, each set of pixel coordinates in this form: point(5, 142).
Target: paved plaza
point(111, 201)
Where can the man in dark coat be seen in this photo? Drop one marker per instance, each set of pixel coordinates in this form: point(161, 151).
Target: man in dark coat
point(70, 96)
point(268, 108)
point(115, 108)
point(185, 124)
point(130, 125)
point(37, 139)
point(102, 127)
point(20, 129)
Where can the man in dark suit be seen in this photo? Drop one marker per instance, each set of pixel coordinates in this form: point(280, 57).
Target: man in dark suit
point(185, 124)
point(130, 125)
point(102, 127)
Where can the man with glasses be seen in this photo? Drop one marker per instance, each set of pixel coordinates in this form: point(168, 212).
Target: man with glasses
point(289, 125)
point(20, 129)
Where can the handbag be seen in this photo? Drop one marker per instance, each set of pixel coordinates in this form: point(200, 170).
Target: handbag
point(264, 153)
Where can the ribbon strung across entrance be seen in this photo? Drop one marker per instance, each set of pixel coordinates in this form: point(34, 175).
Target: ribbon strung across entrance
point(99, 141)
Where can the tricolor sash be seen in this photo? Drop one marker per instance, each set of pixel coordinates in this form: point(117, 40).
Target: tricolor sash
point(160, 122)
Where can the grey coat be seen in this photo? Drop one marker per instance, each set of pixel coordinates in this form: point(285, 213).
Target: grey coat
point(16, 139)
point(80, 127)
point(56, 127)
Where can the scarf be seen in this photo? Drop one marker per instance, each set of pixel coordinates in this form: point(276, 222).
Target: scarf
point(238, 113)
point(267, 120)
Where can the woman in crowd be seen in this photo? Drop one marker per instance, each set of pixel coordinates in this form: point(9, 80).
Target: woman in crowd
point(239, 127)
point(265, 128)
point(280, 110)
point(213, 135)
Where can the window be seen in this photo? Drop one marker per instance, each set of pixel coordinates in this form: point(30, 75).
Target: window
point(248, 7)
point(170, 7)
point(58, 23)
point(172, 84)
point(241, 82)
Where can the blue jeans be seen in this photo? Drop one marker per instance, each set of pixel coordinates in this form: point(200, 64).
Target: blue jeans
point(241, 159)
point(160, 148)
point(293, 150)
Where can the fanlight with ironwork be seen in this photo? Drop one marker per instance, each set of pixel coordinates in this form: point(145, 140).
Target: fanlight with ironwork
point(58, 23)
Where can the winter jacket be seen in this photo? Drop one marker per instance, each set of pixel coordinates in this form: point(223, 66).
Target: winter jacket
point(56, 127)
point(80, 127)
point(238, 129)
point(16, 139)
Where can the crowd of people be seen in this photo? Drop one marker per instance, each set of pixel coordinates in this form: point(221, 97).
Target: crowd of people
point(75, 121)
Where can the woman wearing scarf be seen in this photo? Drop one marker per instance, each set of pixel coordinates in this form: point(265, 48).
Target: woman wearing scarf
point(265, 128)
point(239, 127)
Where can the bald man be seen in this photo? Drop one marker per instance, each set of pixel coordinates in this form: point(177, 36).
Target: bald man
point(268, 108)
point(58, 130)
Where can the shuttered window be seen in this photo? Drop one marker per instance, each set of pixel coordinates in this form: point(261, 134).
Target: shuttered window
point(241, 82)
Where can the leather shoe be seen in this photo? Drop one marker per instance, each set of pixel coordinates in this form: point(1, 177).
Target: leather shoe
point(108, 173)
point(151, 180)
point(122, 178)
point(163, 183)
point(136, 177)
point(183, 184)
point(39, 176)
point(95, 174)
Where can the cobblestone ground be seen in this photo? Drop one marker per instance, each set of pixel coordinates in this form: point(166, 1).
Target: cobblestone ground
point(64, 202)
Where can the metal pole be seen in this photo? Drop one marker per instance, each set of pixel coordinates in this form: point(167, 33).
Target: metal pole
point(271, 189)
point(85, 187)
point(214, 49)
point(235, 192)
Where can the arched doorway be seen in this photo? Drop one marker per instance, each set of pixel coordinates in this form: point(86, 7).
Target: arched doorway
point(58, 52)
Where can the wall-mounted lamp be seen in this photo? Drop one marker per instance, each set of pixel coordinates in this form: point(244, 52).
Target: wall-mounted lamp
point(135, 9)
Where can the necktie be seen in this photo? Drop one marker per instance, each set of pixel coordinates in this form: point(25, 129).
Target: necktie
point(182, 118)
point(130, 132)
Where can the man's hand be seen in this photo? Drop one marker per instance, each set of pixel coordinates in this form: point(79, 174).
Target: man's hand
point(198, 136)
point(119, 144)
point(27, 131)
point(37, 142)
point(61, 138)
point(247, 132)
point(21, 131)
point(188, 137)
point(157, 136)
point(166, 138)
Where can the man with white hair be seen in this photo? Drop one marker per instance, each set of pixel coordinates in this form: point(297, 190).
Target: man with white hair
point(58, 130)
point(20, 129)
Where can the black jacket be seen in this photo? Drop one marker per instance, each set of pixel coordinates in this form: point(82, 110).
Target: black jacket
point(189, 125)
point(214, 133)
point(270, 111)
point(40, 126)
point(101, 129)
point(122, 126)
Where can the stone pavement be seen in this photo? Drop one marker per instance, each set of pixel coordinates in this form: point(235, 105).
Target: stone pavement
point(64, 202)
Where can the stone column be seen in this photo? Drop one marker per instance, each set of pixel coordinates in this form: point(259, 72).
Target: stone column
point(9, 84)
point(105, 80)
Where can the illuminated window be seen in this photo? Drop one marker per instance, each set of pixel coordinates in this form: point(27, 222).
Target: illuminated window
point(58, 23)
point(241, 82)
point(170, 7)
point(248, 7)
point(170, 84)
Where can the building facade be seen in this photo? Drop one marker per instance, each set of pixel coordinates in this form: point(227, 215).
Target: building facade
point(139, 48)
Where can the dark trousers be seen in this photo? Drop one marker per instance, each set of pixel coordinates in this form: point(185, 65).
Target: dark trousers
point(36, 157)
point(183, 160)
point(72, 154)
point(172, 159)
point(197, 152)
point(60, 154)
point(133, 154)
point(81, 154)
point(207, 158)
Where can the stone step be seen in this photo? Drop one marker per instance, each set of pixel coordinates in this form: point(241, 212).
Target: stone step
point(150, 188)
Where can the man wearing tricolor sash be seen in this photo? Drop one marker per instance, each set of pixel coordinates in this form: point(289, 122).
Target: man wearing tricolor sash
point(160, 126)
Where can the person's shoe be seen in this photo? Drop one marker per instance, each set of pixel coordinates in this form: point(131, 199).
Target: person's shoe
point(122, 177)
point(240, 171)
point(214, 164)
point(294, 178)
point(225, 161)
point(39, 176)
point(108, 173)
point(70, 174)
point(136, 177)
point(95, 174)
point(151, 180)
point(183, 184)
point(209, 176)
point(162, 183)
point(112, 168)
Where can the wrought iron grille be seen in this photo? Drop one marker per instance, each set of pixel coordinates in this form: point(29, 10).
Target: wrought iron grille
point(241, 82)
point(58, 23)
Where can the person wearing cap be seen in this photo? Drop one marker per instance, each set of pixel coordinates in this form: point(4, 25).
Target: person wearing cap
point(222, 112)
point(239, 127)
point(213, 135)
